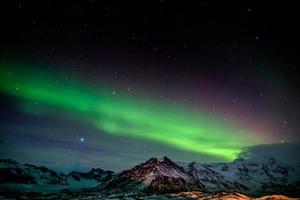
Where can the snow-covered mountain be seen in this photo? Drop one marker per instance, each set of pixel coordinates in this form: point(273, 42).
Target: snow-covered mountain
point(14, 172)
point(154, 175)
point(248, 176)
point(165, 176)
point(212, 180)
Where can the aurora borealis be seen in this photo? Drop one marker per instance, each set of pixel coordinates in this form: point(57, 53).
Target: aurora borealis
point(113, 85)
point(120, 115)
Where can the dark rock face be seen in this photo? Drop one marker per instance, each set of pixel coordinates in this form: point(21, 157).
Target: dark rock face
point(15, 176)
point(164, 184)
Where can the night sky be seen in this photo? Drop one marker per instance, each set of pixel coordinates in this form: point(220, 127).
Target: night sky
point(110, 84)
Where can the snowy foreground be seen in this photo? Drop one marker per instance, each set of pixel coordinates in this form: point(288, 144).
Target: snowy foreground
point(95, 195)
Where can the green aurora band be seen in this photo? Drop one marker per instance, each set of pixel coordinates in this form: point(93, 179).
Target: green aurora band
point(123, 115)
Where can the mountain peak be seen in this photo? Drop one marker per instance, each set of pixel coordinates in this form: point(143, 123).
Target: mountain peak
point(97, 171)
point(160, 175)
point(164, 158)
point(158, 161)
point(167, 160)
point(151, 161)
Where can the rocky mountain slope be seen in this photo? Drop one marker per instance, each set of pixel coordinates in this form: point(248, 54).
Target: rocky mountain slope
point(154, 175)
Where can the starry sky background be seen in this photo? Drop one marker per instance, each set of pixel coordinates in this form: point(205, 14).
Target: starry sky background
point(110, 84)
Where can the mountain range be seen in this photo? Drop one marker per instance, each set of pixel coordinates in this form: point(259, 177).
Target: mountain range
point(164, 176)
point(12, 171)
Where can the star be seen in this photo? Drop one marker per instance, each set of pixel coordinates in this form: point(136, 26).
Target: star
point(284, 123)
point(82, 139)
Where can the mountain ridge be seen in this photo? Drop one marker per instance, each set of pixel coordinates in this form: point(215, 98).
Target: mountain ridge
point(166, 176)
point(12, 171)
